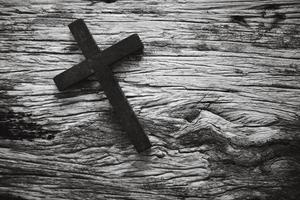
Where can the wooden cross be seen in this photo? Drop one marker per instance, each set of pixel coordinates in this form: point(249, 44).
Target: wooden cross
point(99, 62)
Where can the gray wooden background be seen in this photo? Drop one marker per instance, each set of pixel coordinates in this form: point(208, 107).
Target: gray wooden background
point(217, 90)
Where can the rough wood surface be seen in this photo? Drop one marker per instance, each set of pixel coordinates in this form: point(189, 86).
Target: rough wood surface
point(217, 91)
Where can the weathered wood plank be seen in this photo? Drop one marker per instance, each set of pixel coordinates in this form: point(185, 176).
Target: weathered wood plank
point(217, 90)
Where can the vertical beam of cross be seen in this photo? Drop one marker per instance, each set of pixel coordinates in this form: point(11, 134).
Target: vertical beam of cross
point(99, 63)
point(84, 38)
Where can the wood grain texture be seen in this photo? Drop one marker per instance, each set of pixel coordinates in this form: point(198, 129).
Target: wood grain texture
point(217, 90)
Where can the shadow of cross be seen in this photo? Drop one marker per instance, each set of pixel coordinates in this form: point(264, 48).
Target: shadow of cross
point(98, 62)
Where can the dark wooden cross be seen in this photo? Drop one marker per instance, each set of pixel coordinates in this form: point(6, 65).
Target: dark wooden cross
point(99, 62)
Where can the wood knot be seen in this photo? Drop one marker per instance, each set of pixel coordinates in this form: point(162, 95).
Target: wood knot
point(105, 1)
point(205, 135)
point(190, 116)
point(240, 20)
